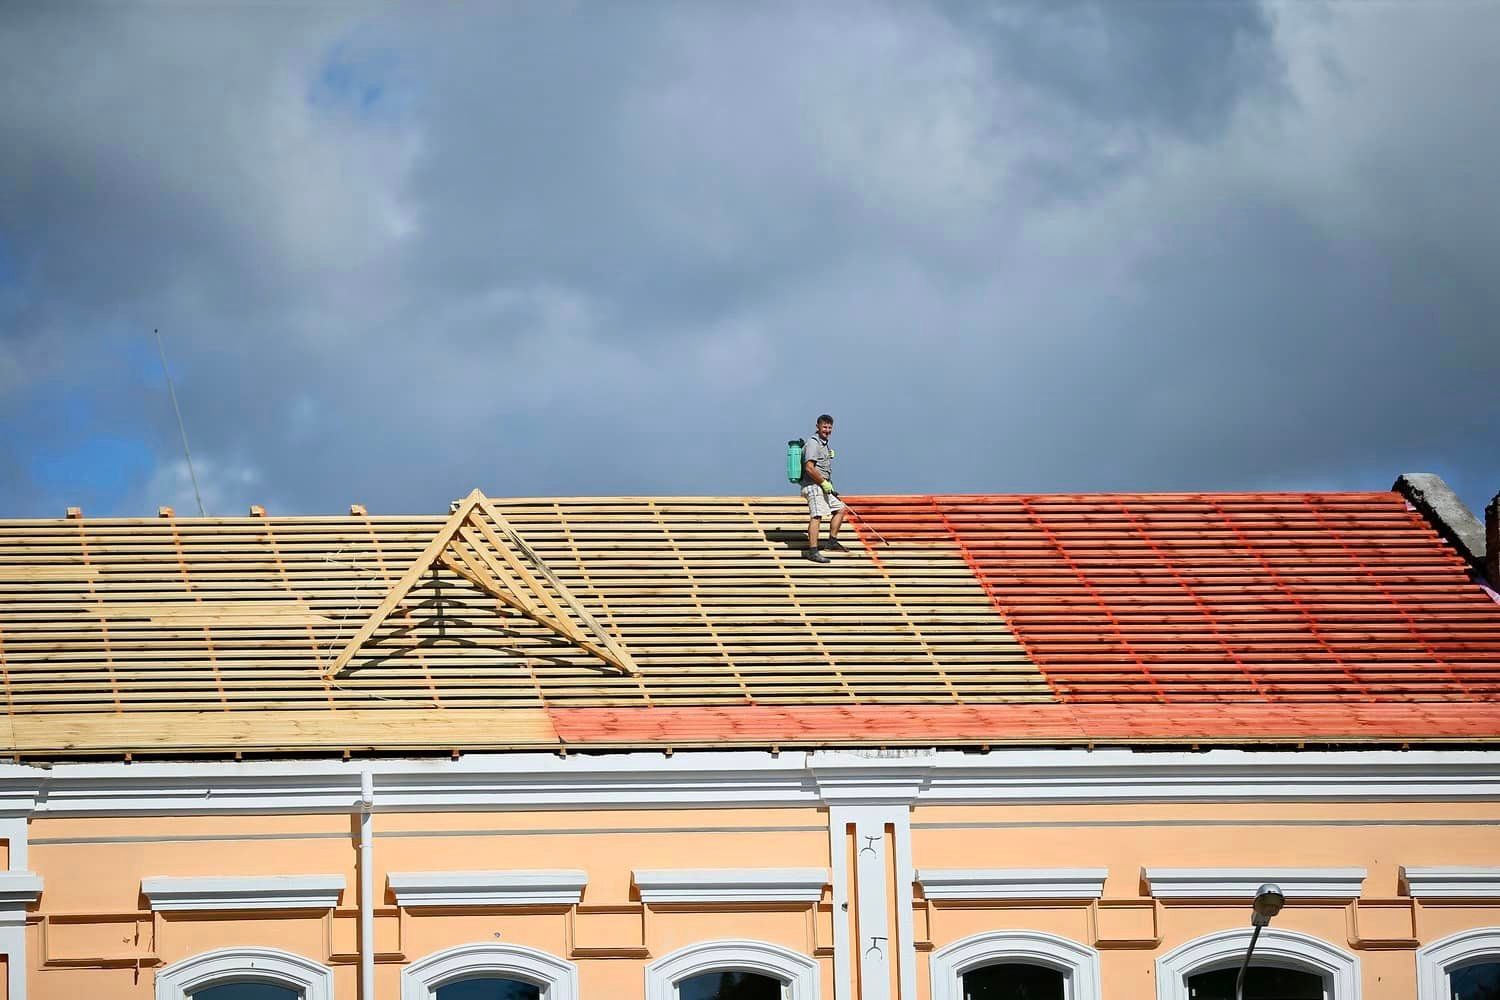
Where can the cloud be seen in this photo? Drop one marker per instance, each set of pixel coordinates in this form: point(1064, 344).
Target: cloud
point(552, 249)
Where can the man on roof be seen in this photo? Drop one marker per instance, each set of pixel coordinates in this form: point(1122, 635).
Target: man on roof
point(817, 487)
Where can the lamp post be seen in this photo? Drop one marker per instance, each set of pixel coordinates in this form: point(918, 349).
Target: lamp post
point(1268, 902)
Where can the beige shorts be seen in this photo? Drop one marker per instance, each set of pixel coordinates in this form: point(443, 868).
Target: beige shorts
point(820, 504)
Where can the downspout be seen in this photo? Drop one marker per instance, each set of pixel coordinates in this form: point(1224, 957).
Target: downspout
point(366, 888)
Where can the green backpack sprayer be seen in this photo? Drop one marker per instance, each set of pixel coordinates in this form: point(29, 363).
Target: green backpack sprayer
point(794, 475)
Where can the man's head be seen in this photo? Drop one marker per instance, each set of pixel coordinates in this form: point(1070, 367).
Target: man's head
point(825, 425)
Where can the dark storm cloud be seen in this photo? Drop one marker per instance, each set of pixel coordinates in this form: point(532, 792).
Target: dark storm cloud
point(630, 249)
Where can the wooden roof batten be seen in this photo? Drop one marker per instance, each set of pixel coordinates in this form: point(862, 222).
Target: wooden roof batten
point(478, 544)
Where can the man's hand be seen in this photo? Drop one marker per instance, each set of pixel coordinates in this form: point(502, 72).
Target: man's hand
point(827, 486)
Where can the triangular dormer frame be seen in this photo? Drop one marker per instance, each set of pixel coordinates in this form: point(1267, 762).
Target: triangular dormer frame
point(479, 544)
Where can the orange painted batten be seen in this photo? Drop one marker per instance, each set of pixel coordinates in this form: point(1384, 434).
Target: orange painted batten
point(1040, 722)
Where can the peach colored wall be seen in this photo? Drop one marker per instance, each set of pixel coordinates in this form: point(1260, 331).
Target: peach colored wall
point(99, 868)
point(1127, 838)
point(102, 876)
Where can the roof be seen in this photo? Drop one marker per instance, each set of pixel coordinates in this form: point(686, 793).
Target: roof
point(1121, 618)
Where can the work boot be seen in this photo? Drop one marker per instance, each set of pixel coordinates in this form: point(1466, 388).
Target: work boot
point(816, 556)
point(833, 545)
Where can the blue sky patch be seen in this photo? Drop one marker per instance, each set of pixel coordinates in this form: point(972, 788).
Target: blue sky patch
point(104, 465)
point(10, 268)
point(361, 81)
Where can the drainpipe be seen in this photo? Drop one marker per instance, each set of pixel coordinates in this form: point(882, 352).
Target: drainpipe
point(366, 888)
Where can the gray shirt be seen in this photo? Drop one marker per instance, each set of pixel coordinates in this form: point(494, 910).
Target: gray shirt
point(816, 451)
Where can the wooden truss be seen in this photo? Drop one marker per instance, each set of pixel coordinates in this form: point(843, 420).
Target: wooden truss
point(478, 544)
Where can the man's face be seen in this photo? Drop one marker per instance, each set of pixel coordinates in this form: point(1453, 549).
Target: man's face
point(825, 428)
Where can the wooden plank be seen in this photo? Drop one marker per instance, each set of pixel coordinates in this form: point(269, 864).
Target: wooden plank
point(403, 585)
point(269, 730)
point(617, 656)
point(44, 572)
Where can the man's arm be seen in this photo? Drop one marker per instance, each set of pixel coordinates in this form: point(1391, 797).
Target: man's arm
point(811, 468)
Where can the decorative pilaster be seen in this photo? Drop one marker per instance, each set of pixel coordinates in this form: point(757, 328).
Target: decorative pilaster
point(869, 800)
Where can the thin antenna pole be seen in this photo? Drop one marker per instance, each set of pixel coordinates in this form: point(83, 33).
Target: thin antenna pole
point(181, 427)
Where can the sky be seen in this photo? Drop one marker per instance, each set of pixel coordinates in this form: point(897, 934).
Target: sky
point(396, 252)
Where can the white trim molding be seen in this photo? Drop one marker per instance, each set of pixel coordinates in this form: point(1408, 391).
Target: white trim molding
point(1078, 963)
point(263, 892)
point(747, 779)
point(18, 890)
point(557, 978)
point(869, 869)
point(730, 885)
point(1437, 960)
point(514, 887)
point(1451, 882)
point(1012, 883)
point(14, 831)
point(798, 973)
point(1241, 883)
point(181, 980)
point(1275, 948)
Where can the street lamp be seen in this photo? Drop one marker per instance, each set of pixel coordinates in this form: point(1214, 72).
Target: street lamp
point(1268, 902)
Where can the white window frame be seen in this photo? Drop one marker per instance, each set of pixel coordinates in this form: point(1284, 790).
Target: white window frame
point(1078, 963)
point(557, 978)
point(180, 980)
point(1276, 948)
point(798, 973)
point(1436, 960)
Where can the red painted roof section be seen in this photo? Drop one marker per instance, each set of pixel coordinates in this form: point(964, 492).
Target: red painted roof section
point(1154, 617)
point(764, 725)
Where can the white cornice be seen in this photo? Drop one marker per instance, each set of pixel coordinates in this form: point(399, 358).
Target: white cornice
point(518, 887)
point(871, 777)
point(269, 892)
point(1069, 776)
point(1451, 882)
point(749, 779)
point(731, 885)
point(1242, 883)
point(1012, 883)
point(19, 889)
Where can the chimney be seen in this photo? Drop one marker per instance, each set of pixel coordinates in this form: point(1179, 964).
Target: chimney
point(1492, 542)
point(1442, 508)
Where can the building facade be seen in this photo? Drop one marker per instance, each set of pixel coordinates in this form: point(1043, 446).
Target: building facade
point(1010, 747)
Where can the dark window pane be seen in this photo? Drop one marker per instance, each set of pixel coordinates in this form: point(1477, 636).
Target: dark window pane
point(1476, 982)
point(729, 985)
point(1013, 981)
point(247, 991)
point(1260, 984)
point(489, 988)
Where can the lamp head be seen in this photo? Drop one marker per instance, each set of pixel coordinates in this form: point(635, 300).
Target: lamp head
point(1268, 902)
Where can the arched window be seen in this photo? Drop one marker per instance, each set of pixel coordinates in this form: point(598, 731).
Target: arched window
point(1286, 966)
point(730, 984)
point(1261, 983)
point(247, 991)
point(1478, 981)
point(490, 972)
point(1015, 981)
point(1462, 966)
point(732, 970)
point(489, 988)
point(245, 974)
point(1015, 965)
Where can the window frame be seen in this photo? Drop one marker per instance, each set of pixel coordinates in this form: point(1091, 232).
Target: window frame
point(1279, 948)
point(557, 978)
point(1078, 963)
point(797, 972)
point(180, 980)
point(1436, 960)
